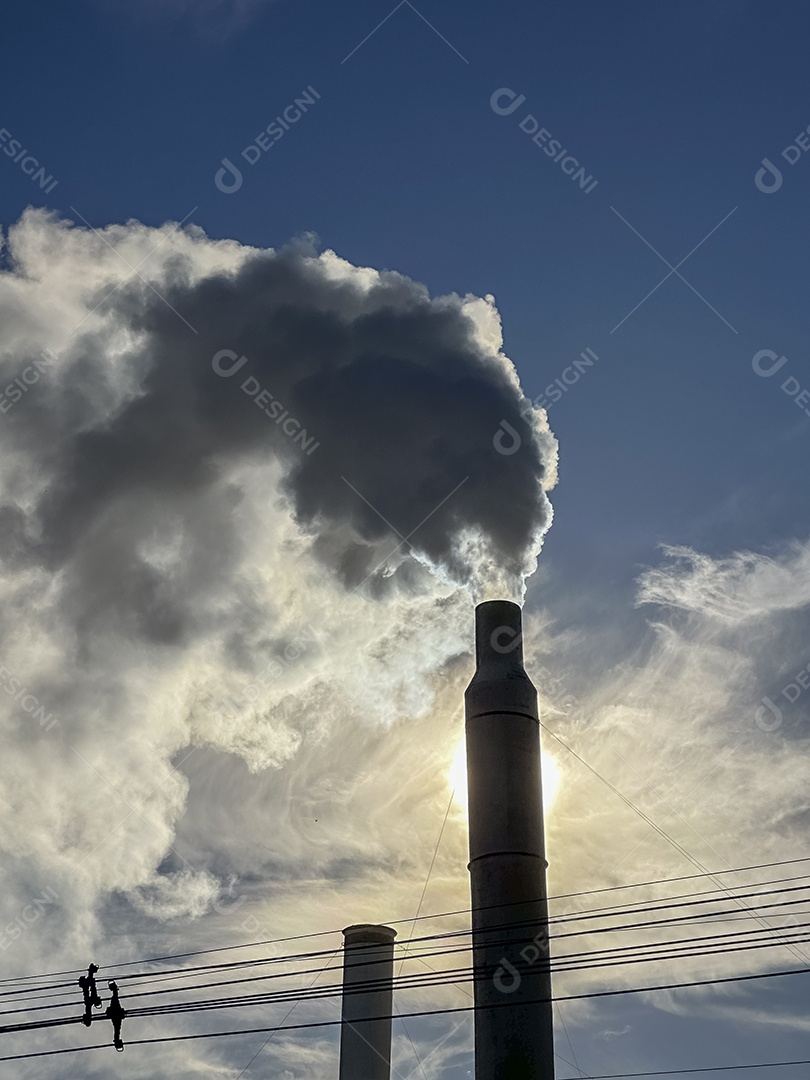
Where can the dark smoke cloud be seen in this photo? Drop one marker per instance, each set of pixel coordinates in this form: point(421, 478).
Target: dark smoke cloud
point(185, 581)
point(400, 396)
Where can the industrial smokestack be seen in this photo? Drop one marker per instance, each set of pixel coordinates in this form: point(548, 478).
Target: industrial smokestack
point(368, 972)
point(513, 1009)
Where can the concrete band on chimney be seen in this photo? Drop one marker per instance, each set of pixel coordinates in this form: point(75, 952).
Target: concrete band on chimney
point(513, 1007)
point(368, 981)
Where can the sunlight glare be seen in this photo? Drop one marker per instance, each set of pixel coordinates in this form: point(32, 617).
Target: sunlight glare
point(457, 777)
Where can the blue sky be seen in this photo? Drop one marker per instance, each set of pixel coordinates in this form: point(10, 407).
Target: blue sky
point(402, 163)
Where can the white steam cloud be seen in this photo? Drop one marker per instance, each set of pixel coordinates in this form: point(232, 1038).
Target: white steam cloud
point(186, 579)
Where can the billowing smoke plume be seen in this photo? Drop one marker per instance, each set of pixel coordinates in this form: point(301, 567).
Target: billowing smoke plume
point(387, 412)
point(246, 496)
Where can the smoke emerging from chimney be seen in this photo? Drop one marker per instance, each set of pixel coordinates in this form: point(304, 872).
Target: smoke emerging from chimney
point(245, 496)
point(383, 408)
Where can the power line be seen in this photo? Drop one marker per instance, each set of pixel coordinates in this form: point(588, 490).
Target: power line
point(409, 1015)
point(440, 978)
point(437, 915)
point(662, 832)
point(681, 901)
point(435, 978)
point(705, 1069)
point(287, 1015)
point(448, 938)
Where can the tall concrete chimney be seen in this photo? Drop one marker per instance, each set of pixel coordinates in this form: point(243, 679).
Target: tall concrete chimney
point(513, 1009)
point(368, 990)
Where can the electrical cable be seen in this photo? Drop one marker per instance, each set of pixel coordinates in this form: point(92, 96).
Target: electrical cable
point(442, 977)
point(409, 1015)
point(448, 937)
point(437, 915)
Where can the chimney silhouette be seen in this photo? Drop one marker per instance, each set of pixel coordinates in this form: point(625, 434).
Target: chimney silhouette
point(368, 991)
point(513, 1008)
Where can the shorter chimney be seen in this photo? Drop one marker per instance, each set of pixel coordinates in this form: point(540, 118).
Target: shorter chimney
point(368, 991)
